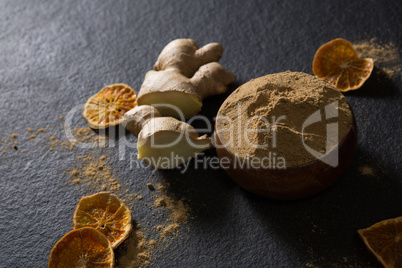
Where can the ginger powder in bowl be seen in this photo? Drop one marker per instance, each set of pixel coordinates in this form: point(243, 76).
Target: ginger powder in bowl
point(286, 135)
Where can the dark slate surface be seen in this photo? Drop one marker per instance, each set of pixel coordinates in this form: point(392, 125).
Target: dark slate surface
point(55, 54)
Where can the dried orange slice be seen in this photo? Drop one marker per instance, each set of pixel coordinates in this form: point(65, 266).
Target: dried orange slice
point(83, 247)
point(106, 213)
point(338, 63)
point(107, 107)
point(384, 240)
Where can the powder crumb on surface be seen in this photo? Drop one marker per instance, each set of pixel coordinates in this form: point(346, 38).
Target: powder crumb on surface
point(76, 181)
point(380, 52)
point(139, 197)
point(152, 243)
point(14, 135)
point(161, 187)
point(178, 210)
point(29, 129)
point(129, 197)
point(61, 117)
point(87, 135)
point(389, 72)
point(160, 202)
point(170, 229)
point(95, 173)
point(366, 170)
point(67, 145)
point(386, 55)
point(41, 130)
point(150, 186)
point(32, 137)
point(100, 140)
point(159, 227)
point(136, 251)
point(82, 131)
point(54, 142)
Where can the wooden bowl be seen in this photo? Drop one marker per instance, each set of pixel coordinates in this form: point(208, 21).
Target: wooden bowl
point(293, 182)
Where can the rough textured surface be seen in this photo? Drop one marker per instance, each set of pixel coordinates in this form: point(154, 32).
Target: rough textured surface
point(54, 55)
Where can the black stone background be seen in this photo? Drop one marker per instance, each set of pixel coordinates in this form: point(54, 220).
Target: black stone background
point(56, 54)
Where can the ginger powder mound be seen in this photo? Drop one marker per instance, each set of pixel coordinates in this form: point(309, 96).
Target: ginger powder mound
point(289, 118)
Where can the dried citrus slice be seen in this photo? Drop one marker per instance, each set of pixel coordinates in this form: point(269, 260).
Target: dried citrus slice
point(106, 213)
point(384, 240)
point(107, 107)
point(83, 247)
point(338, 63)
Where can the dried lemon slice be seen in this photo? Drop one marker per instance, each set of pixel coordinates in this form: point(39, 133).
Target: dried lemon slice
point(384, 240)
point(107, 107)
point(83, 247)
point(338, 63)
point(106, 213)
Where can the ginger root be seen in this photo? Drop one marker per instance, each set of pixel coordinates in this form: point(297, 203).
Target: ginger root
point(183, 76)
point(163, 142)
